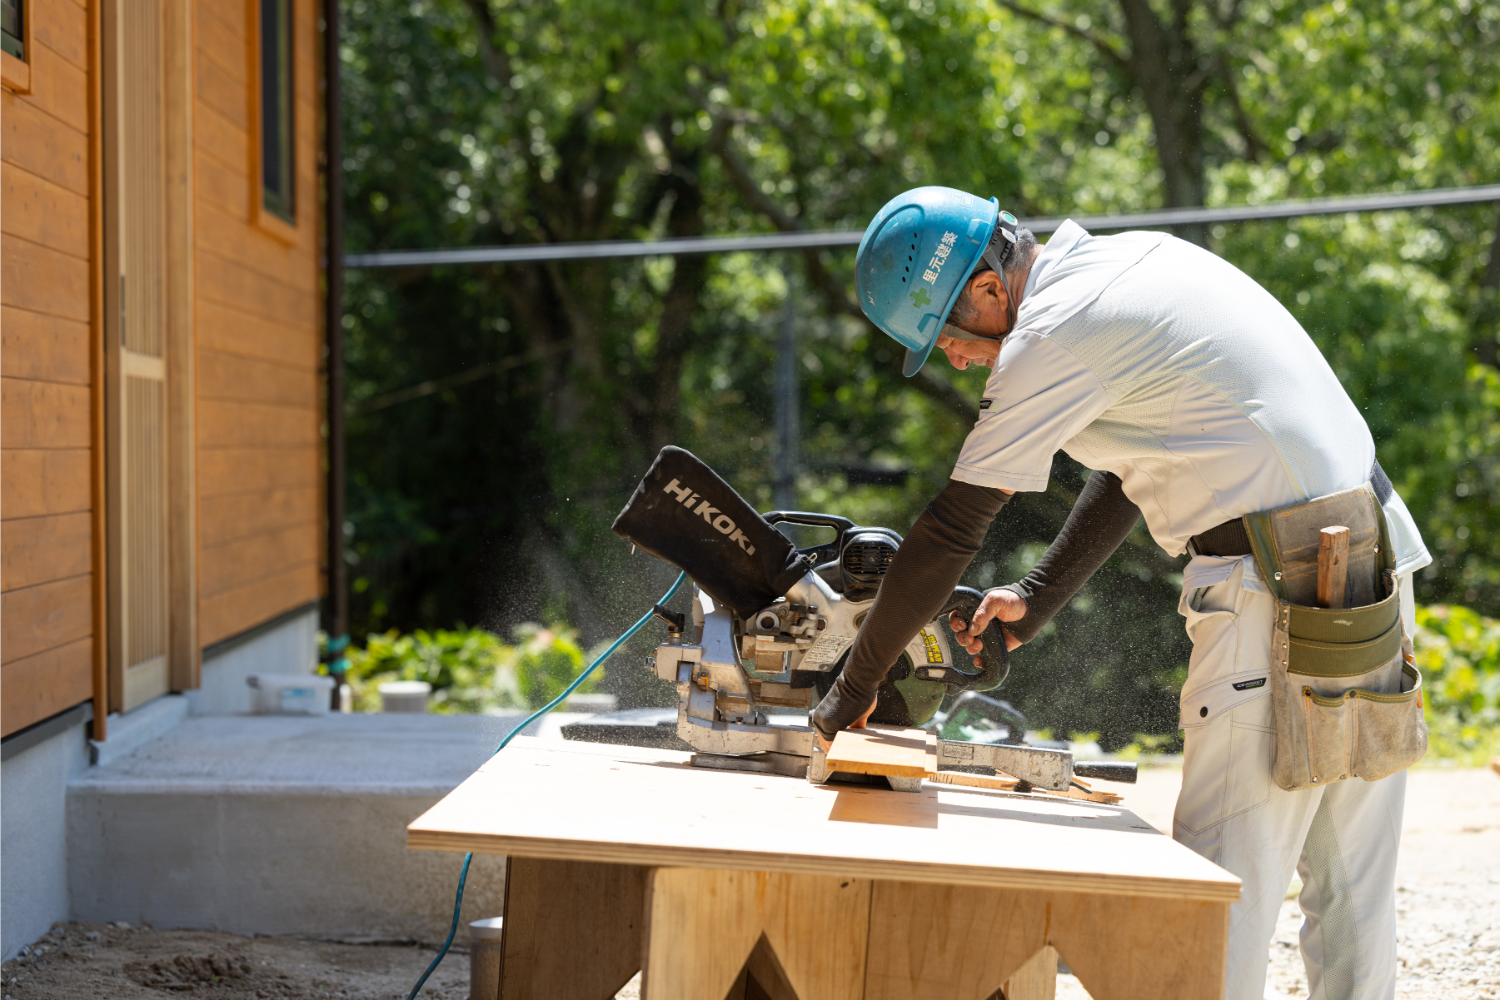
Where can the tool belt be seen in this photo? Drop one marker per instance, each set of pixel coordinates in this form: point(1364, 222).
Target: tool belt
point(1346, 691)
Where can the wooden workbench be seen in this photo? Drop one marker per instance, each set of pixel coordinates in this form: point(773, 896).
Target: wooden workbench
point(719, 882)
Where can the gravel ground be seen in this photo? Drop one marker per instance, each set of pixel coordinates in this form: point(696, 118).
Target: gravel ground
point(1448, 881)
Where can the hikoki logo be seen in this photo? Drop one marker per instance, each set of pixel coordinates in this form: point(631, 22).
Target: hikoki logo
point(722, 523)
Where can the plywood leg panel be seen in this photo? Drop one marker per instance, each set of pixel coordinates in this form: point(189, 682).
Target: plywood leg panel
point(1124, 947)
point(950, 942)
point(572, 929)
point(706, 926)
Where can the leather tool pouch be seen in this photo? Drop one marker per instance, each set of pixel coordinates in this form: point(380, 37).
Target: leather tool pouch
point(1346, 691)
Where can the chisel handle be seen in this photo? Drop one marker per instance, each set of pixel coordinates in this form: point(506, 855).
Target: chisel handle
point(1106, 770)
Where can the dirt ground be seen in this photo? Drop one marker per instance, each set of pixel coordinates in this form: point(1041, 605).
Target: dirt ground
point(1448, 892)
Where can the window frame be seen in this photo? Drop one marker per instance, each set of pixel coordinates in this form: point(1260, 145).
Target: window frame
point(273, 210)
point(15, 70)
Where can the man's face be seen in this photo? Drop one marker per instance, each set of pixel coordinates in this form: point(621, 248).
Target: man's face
point(989, 318)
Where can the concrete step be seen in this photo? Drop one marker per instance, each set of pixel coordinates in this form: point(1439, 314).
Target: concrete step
point(282, 825)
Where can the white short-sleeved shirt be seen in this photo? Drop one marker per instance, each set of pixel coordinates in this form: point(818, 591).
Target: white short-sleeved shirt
point(1149, 357)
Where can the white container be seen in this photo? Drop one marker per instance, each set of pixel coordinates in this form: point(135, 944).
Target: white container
point(404, 696)
point(596, 702)
point(485, 938)
point(290, 694)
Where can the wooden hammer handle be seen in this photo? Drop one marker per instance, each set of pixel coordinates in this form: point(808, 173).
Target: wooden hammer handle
point(1333, 565)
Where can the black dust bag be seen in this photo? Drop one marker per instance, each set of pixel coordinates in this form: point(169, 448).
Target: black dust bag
point(684, 513)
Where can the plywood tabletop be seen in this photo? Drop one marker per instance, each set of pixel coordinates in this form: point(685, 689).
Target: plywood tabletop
point(629, 805)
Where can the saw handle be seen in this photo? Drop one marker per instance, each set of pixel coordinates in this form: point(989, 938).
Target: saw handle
point(994, 656)
point(1106, 770)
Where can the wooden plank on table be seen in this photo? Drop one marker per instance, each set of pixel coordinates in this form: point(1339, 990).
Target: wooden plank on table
point(894, 751)
point(45, 348)
point(42, 549)
point(43, 617)
point(44, 481)
point(39, 686)
point(230, 613)
point(636, 806)
point(44, 414)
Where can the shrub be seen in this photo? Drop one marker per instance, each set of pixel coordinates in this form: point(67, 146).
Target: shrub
point(1458, 652)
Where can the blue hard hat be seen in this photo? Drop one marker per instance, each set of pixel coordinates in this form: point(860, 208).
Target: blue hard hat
point(915, 257)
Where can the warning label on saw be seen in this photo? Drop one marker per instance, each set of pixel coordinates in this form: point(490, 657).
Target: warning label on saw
point(827, 649)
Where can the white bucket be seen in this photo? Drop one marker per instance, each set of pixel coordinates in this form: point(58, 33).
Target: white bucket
point(404, 696)
point(290, 694)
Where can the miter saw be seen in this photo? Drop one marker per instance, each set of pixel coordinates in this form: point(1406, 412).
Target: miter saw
point(771, 626)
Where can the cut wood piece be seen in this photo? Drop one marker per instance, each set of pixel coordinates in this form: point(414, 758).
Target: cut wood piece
point(548, 952)
point(1080, 790)
point(1036, 980)
point(1333, 565)
point(893, 751)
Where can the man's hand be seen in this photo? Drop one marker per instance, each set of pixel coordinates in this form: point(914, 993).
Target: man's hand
point(858, 723)
point(1006, 605)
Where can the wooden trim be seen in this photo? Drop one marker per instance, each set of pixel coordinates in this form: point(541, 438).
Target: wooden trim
point(98, 481)
point(266, 221)
point(182, 442)
point(15, 74)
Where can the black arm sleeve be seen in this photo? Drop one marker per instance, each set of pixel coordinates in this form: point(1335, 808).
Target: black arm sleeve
point(1097, 525)
point(927, 567)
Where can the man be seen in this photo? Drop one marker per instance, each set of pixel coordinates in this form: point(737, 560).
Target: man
point(1197, 399)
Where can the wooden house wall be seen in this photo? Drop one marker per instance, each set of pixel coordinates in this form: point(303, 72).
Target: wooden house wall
point(258, 325)
point(46, 525)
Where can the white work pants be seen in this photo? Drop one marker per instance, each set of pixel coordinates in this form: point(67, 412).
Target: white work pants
point(1341, 839)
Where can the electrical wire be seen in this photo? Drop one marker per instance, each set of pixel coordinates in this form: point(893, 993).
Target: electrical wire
point(463, 876)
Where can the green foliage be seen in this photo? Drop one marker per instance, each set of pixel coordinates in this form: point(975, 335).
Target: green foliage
point(499, 416)
point(1458, 653)
point(470, 670)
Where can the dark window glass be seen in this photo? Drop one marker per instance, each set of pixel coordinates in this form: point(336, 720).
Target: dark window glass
point(12, 15)
point(276, 106)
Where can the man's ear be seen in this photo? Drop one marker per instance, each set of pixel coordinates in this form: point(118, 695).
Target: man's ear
point(988, 283)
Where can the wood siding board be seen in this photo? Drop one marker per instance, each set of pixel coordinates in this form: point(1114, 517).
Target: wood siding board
point(233, 517)
point(62, 26)
point(230, 613)
point(43, 212)
point(223, 189)
point(229, 12)
point(45, 348)
point(35, 482)
point(215, 88)
point(37, 142)
point(46, 616)
point(231, 377)
point(43, 414)
point(42, 685)
point(37, 550)
point(59, 88)
point(43, 280)
point(230, 331)
point(232, 471)
point(271, 259)
point(222, 280)
point(246, 560)
point(220, 139)
point(221, 41)
point(245, 425)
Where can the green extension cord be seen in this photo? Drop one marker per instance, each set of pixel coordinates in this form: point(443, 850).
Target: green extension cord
point(463, 876)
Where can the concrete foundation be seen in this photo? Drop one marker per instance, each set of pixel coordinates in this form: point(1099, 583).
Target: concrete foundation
point(281, 825)
point(287, 645)
point(33, 830)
